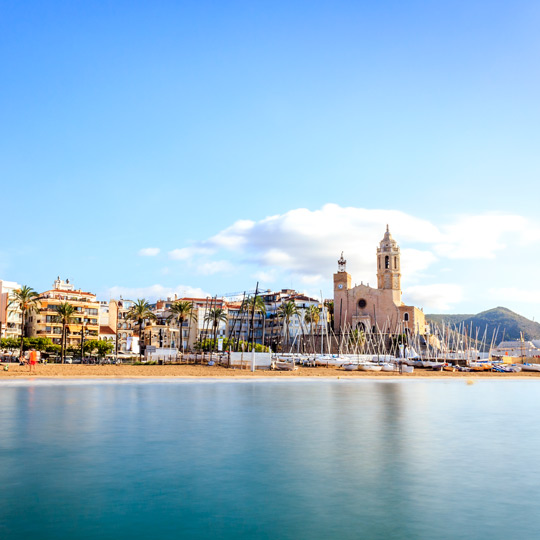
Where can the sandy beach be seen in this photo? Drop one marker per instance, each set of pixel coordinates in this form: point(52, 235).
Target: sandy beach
point(202, 371)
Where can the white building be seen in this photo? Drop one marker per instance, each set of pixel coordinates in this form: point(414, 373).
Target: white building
point(10, 317)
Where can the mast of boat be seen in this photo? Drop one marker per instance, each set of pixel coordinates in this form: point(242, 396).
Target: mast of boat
point(250, 328)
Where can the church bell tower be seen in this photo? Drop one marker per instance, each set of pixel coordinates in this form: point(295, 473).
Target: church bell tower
point(342, 279)
point(388, 264)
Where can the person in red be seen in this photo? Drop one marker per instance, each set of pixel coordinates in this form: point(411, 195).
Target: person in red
point(33, 360)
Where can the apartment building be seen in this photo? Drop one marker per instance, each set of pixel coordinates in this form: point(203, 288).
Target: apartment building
point(85, 323)
point(126, 330)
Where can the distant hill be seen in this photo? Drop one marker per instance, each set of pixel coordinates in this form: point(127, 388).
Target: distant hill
point(508, 323)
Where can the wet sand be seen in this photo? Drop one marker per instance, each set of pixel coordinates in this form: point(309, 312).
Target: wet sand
point(76, 371)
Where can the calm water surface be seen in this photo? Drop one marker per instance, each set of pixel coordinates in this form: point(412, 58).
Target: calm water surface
point(269, 460)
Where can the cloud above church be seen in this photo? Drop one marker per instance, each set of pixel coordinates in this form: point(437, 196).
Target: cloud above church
point(307, 243)
point(300, 248)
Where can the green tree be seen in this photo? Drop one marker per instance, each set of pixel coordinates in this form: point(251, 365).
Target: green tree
point(329, 305)
point(140, 312)
point(10, 344)
point(357, 338)
point(66, 314)
point(100, 347)
point(215, 316)
point(181, 311)
point(286, 311)
point(26, 300)
point(312, 316)
point(255, 304)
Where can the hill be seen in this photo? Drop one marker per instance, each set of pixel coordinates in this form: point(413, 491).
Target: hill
point(499, 320)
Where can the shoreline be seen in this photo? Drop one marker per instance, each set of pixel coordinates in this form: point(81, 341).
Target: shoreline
point(199, 372)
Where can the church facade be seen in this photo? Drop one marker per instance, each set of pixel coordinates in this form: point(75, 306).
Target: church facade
point(370, 310)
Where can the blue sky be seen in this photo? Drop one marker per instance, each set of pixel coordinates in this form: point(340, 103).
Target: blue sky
point(198, 131)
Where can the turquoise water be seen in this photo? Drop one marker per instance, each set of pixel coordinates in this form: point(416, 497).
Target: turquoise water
point(269, 460)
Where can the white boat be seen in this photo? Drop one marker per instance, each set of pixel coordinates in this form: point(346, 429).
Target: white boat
point(407, 369)
point(432, 364)
point(284, 365)
point(530, 367)
point(350, 367)
point(370, 367)
point(331, 360)
point(389, 367)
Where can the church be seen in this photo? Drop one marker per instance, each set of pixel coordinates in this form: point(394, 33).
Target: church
point(372, 310)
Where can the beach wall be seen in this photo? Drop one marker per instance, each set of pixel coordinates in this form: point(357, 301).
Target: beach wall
point(262, 360)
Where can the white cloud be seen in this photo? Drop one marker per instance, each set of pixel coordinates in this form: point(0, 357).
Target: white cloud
point(215, 267)
point(482, 236)
point(184, 254)
point(434, 297)
point(149, 252)
point(265, 276)
point(154, 292)
point(308, 243)
point(303, 246)
point(514, 294)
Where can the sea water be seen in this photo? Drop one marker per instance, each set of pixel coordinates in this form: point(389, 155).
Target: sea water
point(269, 459)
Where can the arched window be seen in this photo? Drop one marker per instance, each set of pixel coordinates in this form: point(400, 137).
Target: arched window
point(395, 263)
point(406, 317)
point(387, 262)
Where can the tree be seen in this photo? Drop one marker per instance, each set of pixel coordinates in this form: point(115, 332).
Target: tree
point(357, 339)
point(311, 316)
point(254, 304)
point(139, 313)
point(215, 316)
point(66, 314)
point(286, 311)
point(181, 311)
point(329, 305)
point(100, 347)
point(26, 300)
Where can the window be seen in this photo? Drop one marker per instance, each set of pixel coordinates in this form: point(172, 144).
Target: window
point(406, 317)
point(395, 263)
point(387, 262)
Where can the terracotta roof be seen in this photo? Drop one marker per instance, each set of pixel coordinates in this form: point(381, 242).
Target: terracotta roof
point(106, 330)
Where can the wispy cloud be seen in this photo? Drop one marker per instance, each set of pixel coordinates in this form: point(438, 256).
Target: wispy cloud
point(515, 294)
point(187, 253)
point(434, 297)
point(149, 252)
point(153, 292)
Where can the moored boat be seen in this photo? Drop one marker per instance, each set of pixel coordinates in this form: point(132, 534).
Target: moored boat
point(370, 367)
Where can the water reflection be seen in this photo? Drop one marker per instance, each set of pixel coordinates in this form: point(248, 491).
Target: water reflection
point(290, 460)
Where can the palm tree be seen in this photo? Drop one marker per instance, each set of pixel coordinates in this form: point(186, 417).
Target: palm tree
point(357, 339)
point(286, 311)
point(181, 311)
point(26, 300)
point(311, 316)
point(215, 316)
point(139, 312)
point(65, 316)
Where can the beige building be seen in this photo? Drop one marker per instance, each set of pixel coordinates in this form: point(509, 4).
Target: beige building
point(10, 316)
point(381, 309)
point(44, 323)
point(127, 339)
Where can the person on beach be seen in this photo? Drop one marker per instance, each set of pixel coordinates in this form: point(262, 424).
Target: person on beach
point(33, 361)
